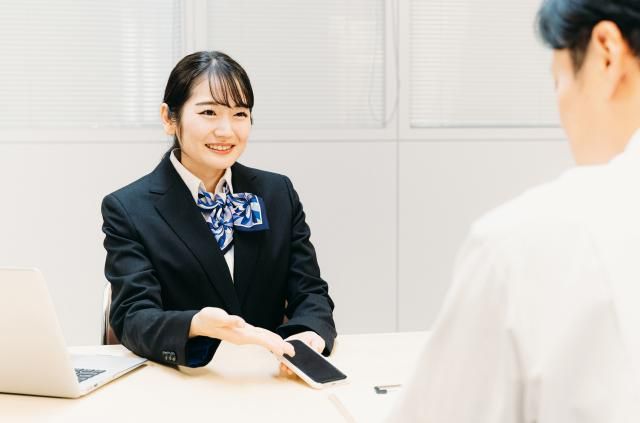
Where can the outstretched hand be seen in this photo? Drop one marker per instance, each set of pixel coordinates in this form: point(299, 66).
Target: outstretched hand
point(216, 323)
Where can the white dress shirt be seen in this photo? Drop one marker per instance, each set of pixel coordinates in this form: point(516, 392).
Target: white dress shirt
point(193, 183)
point(542, 323)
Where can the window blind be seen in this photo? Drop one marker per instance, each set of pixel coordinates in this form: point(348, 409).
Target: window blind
point(84, 64)
point(317, 64)
point(478, 64)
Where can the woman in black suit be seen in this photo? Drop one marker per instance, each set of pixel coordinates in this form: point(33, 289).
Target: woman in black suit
point(204, 249)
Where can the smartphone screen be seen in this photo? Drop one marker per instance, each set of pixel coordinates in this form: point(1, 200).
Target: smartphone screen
point(313, 364)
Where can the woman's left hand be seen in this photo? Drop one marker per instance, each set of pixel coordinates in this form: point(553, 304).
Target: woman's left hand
point(310, 338)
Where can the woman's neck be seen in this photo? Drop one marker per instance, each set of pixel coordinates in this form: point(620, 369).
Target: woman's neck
point(209, 177)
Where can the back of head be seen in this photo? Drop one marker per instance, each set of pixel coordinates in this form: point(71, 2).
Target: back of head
point(596, 68)
point(567, 24)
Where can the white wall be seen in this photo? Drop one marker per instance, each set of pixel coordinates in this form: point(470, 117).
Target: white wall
point(388, 270)
point(388, 203)
point(450, 184)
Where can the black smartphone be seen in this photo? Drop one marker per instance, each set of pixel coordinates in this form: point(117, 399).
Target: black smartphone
point(312, 367)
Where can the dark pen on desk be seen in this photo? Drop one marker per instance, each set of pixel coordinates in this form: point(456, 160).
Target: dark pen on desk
point(383, 389)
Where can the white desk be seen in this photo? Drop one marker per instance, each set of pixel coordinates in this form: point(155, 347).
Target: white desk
point(242, 383)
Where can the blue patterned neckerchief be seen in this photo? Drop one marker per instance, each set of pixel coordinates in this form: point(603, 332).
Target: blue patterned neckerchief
point(225, 212)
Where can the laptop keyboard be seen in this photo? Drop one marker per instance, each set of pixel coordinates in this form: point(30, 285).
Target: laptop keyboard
point(84, 374)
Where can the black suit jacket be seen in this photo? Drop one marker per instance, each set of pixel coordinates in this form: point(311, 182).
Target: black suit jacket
point(164, 265)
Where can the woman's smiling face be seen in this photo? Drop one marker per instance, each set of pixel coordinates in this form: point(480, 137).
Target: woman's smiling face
point(212, 135)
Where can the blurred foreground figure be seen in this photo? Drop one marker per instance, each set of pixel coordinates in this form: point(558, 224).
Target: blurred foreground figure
point(542, 323)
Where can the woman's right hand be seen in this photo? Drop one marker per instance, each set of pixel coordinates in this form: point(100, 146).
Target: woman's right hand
point(216, 323)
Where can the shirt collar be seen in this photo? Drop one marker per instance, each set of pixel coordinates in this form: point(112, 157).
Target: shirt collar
point(194, 183)
point(634, 142)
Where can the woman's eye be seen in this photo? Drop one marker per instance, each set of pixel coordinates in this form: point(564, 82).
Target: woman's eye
point(241, 114)
point(208, 113)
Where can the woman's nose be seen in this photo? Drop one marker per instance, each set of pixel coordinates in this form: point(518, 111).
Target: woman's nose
point(223, 128)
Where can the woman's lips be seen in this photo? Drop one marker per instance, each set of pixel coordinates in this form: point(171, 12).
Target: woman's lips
point(220, 148)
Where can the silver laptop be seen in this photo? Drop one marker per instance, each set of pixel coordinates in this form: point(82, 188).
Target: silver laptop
point(33, 357)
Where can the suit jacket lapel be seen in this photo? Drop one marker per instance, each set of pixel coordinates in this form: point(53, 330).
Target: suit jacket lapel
point(247, 245)
point(178, 209)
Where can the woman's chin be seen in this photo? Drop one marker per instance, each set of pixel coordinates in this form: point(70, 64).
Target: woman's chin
point(221, 162)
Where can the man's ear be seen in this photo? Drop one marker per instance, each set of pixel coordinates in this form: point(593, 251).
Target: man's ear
point(610, 52)
point(170, 125)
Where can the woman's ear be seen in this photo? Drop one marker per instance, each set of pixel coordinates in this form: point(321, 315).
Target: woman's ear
point(168, 123)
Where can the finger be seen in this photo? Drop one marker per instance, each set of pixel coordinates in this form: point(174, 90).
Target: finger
point(277, 347)
point(285, 371)
point(269, 340)
point(283, 347)
point(292, 337)
point(310, 341)
point(318, 344)
point(290, 373)
point(289, 350)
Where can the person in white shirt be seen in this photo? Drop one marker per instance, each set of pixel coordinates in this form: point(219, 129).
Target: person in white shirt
point(542, 322)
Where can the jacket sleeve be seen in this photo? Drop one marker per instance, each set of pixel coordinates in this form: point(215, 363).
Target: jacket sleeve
point(309, 306)
point(137, 315)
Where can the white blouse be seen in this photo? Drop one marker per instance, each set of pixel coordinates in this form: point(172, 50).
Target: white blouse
point(193, 183)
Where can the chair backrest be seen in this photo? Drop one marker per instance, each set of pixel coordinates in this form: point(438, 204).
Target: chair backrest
point(108, 335)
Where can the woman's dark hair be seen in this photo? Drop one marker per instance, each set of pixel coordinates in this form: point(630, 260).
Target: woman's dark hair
point(228, 83)
point(567, 24)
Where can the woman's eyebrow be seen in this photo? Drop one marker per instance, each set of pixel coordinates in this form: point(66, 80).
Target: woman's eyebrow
point(207, 103)
point(213, 103)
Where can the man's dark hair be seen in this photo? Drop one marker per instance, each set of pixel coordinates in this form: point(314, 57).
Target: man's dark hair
point(567, 24)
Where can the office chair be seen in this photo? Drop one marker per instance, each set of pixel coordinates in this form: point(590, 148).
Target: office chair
point(108, 336)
